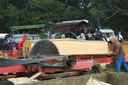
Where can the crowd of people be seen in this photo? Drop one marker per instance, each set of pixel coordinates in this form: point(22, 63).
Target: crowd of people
point(11, 48)
point(89, 36)
point(79, 37)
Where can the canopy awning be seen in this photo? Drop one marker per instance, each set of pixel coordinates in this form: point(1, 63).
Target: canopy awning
point(71, 22)
point(14, 28)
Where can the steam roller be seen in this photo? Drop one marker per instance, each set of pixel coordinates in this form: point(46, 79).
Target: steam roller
point(53, 56)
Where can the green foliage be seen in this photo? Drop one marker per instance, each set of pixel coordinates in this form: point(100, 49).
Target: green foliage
point(47, 10)
point(73, 13)
point(95, 12)
point(112, 13)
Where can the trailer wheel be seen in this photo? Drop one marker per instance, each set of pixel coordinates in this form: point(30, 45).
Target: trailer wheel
point(70, 60)
point(97, 67)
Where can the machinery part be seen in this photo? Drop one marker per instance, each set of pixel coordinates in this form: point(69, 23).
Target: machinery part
point(98, 35)
point(70, 60)
point(70, 35)
point(47, 65)
point(111, 65)
point(38, 48)
point(14, 62)
point(97, 67)
point(59, 75)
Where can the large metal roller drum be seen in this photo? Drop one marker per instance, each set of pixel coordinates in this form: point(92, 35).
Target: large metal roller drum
point(44, 47)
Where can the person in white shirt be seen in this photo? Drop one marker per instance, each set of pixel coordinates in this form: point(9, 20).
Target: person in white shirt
point(119, 37)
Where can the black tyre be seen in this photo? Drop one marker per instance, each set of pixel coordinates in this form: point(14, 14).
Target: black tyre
point(70, 35)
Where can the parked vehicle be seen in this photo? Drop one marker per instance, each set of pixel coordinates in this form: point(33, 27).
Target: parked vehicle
point(2, 35)
point(18, 37)
point(2, 38)
point(107, 33)
point(38, 29)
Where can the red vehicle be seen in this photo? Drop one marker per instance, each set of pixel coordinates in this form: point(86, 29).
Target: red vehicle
point(75, 27)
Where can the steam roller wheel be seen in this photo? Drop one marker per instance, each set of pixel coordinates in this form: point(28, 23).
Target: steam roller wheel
point(70, 35)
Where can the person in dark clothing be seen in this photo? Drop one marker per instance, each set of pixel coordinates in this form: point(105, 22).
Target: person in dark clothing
point(120, 54)
point(4, 47)
point(90, 37)
point(1, 41)
point(11, 45)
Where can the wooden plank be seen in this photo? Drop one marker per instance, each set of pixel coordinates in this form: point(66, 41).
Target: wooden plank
point(35, 76)
point(77, 47)
point(60, 75)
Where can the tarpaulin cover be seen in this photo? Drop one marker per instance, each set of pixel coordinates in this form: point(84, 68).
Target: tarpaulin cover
point(93, 81)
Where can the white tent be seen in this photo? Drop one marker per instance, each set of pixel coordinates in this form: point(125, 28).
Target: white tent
point(93, 81)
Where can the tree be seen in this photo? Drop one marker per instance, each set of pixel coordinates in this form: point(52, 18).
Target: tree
point(19, 12)
point(46, 10)
point(113, 13)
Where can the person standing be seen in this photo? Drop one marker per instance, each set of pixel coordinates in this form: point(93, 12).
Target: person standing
point(11, 45)
point(4, 47)
point(119, 37)
point(120, 55)
point(20, 45)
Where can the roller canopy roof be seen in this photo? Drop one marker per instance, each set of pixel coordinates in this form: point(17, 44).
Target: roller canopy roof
point(72, 22)
point(14, 28)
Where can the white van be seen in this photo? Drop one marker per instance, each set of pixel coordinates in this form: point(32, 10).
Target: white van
point(2, 35)
point(107, 33)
